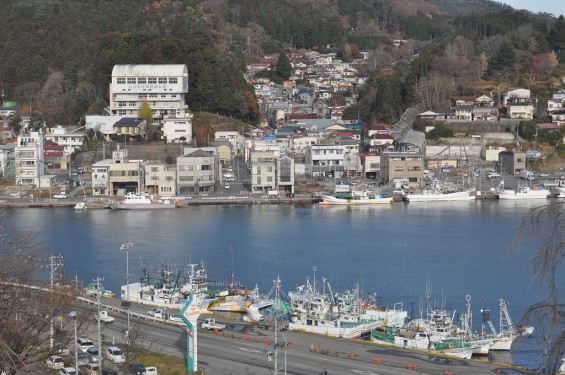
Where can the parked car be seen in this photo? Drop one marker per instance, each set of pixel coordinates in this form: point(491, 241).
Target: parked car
point(61, 195)
point(136, 368)
point(67, 371)
point(114, 354)
point(83, 358)
point(544, 174)
point(493, 175)
point(15, 194)
point(84, 344)
point(55, 362)
point(92, 369)
point(175, 318)
point(109, 371)
point(93, 353)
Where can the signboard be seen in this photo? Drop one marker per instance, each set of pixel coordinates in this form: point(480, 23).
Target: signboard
point(191, 312)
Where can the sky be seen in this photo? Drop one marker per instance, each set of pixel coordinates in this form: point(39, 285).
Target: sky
point(555, 7)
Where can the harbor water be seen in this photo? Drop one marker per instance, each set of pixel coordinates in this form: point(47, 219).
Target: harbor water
point(395, 252)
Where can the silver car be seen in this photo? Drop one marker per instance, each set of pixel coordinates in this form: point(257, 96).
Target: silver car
point(83, 359)
point(93, 354)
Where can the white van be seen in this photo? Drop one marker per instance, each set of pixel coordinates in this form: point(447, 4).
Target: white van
point(115, 355)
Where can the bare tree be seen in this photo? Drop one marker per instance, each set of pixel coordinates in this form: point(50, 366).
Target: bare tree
point(29, 307)
point(547, 224)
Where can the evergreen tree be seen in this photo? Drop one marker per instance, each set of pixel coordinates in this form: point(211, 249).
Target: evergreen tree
point(556, 35)
point(283, 67)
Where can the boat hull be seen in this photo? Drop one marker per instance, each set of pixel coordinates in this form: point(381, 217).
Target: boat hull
point(328, 200)
point(431, 197)
point(532, 194)
point(141, 206)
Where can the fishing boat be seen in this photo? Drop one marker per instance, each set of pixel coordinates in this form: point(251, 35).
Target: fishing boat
point(167, 290)
point(521, 192)
point(502, 339)
point(335, 314)
point(80, 206)
point(142, 201)
point(439, 192)
point(355, 198)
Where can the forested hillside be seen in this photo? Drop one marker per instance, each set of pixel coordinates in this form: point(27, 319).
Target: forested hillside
point(57, 55)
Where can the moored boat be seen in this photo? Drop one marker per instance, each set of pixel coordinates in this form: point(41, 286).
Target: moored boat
point(81, 206)
point(438, 192)
point(355, 198)
point(142, 201)
point(521, 192)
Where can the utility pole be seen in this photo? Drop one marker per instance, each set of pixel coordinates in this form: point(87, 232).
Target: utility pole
point(55, 261)
point(100, 351)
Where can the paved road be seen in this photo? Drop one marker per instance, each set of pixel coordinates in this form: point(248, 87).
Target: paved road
point(241, 348)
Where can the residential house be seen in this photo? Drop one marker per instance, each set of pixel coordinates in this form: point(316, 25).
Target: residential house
point(558, 117)
point(131, 127)
point(263, 170)
point(29, 158)
point(285, 175)
point(402, 166)
point(520, 110)
point(160, 179)
point(178, 129)
point(511, 162)
point(102, 124)
point(464, 112)
point(70, 140)
point(324, 160)
point(198, 170)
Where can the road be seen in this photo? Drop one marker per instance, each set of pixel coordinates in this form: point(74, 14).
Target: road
point(241, 348)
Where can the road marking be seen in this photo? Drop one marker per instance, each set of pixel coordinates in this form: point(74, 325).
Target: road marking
point(365, 372)
point(250, 350)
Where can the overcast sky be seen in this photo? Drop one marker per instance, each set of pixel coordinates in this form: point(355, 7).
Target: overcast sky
point(555, 7)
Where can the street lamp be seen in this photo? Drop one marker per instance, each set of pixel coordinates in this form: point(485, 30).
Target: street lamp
point(125, 247)
point(73, 314)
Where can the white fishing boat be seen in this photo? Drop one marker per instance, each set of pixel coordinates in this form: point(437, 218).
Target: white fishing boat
point(166, 290)
point(355, 198)
point(502, 339)
point(521, 192)
point(142, 201)
point(80, 206)
point(335, 314)
point(439, 192)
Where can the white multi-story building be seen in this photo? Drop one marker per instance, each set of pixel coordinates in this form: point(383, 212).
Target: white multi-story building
point(70, 140)
point(163, 86)
point(198, 170)
point(178, 129)
point(324, 160)
point(29, 158)
point(102, 123)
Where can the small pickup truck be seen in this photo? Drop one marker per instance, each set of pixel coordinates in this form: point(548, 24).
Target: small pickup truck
point(157, 313)
point(211, 324)
point(104, 317)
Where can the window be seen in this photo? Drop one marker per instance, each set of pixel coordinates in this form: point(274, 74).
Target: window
point(168, 178)
point(173, 80)
point(269, 169)
point(152, 80)
point(154, 169)
point(206, 167)
point(121, 104)
point(258, 180)
point(162, 80)
point(142, 80)
point(269, 178)
point(258, 170)
point(185, 168)
point(121, 113)
point(121, 81)
point(398, 169)
point(191, 167)
point(152, 95)
point(131, 80)
point(141, 96)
